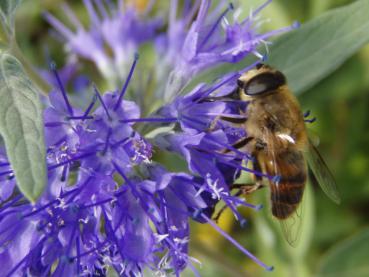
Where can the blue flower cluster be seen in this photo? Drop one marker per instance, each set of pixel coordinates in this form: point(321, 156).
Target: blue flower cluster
point(109, 203)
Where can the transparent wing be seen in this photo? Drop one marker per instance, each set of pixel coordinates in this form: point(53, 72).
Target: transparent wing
point(289, 171)
point(322, 173)
point(291, 226)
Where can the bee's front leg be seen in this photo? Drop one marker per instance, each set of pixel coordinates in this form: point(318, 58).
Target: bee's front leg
point(235, 121)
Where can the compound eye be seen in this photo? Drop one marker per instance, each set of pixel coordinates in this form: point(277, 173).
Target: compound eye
point(265, 82)
point(256, 88)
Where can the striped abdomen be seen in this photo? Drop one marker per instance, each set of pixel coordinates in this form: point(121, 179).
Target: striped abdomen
point(286, 194)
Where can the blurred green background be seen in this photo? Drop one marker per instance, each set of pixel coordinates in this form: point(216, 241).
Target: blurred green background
point(335, 238)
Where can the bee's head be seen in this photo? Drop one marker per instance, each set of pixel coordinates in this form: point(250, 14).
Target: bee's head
point(260, 80)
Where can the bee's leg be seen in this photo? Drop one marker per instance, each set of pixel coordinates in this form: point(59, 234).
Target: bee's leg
point(233, 95)
point(239, 144)
point(213, 124)
point(245, 188)
point(236, 121)
point(248, 188)
point(242, 189)
point(306, 115)
point(220, 212)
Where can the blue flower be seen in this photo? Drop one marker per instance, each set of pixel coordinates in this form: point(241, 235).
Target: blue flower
point(120, 27)
point(216, 36)
point(109, 203)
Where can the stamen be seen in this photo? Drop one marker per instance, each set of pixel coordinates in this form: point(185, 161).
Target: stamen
point(4, 164)
point(90, 251)
point(107, 141)
point(53, 166)
point(41, 208)
point(54, 124)
point(78, 255)
point(91, 12)
point(102, 9)
point(82, 117)
point(121, 142)
point(235, 243)
point(61, 88)
point(243, 203)
point(235, 212)
point(261, 37)
point(89, 108)
point(9, 204)
point(256, 11)
point(148, 119)
point(194, 270)
point(97, 203)
point(58, 25)
point(192, 12)
point(101, 101)
point(173, 12)
point(126, 83)
point(207, 93)
point(230, 7)
point(257, 173)
point(72, 16)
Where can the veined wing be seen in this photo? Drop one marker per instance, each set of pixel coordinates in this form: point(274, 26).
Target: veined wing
point(288, 173)
point(322, 173)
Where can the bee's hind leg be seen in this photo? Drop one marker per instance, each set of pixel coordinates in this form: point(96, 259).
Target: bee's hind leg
point(248, 188)
point(242, 189)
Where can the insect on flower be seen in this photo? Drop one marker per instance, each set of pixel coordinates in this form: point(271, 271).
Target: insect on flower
point(111, 202)
point(278, 141)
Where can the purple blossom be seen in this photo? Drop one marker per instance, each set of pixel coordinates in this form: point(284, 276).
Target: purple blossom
point(216, 36)
point(109, 203)
point(121, 27)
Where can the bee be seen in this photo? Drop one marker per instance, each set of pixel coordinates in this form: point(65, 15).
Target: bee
point(278, 142)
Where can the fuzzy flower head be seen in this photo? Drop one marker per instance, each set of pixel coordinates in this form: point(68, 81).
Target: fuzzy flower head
point(120, 28)
point(109, 203)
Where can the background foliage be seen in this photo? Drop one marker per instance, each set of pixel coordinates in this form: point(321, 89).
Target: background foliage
point(335, 238)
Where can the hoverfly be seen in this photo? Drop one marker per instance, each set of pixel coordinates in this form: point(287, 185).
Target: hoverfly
point(277, 140)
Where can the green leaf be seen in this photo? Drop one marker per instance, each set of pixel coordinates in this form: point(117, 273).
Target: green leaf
point(21, 126)
point(320, 46)
point(7, 13)
point(313, 51)
point(348, 258)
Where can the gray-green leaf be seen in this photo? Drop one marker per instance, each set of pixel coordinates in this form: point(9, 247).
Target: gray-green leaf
point(7, 13)
point(21, 126)
point(348, 258)
point(310, 53)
